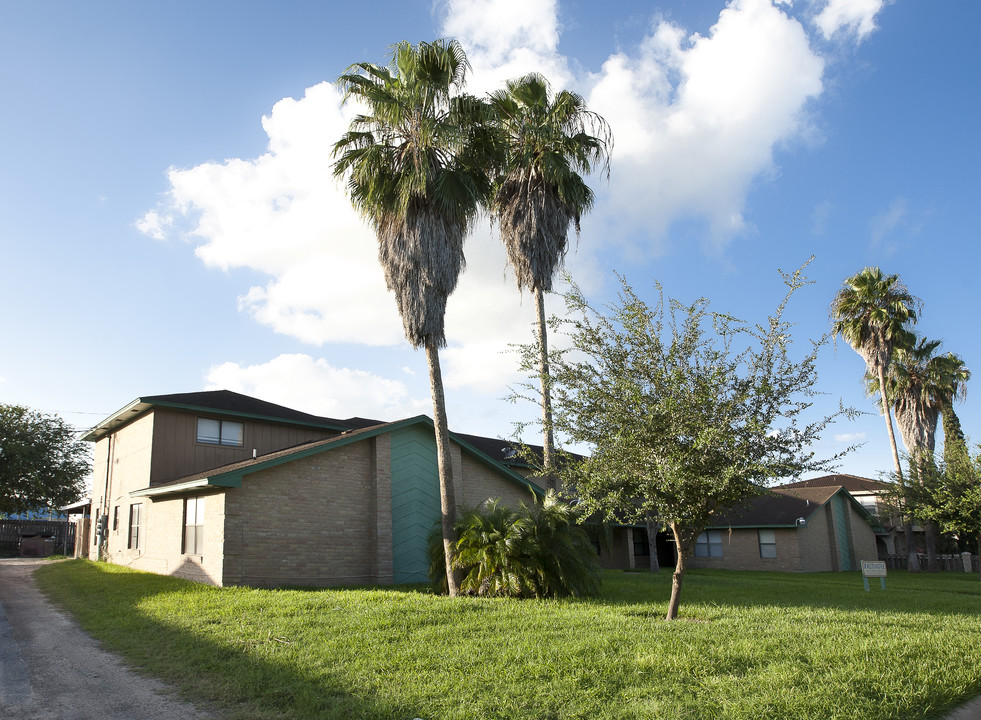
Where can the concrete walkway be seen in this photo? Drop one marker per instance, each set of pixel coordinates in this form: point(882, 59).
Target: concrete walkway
point(51, 670)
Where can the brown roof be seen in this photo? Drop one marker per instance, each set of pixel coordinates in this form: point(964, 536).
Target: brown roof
point(776, 507)
point(851, 483)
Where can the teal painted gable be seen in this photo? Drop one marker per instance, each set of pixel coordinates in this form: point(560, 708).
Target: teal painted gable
point(839, 510)
point(415, 501)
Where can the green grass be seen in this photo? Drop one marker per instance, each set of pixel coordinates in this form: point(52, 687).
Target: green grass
point(750, 646)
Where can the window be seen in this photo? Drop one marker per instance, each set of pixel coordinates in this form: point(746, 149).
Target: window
point(709, 544)
point(768, 544)
point(642, 545)
point(220, 432)
point(869, 504)
point(115, 518)
point(135, 515)
point(193, 526)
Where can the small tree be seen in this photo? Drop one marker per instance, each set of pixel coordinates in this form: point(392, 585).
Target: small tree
point(680, 423)
point(954, 501)
point(42, 464)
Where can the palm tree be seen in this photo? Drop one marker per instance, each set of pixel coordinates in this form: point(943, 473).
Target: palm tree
point(957, 374)
point(414, 169)
point(548, 140)
point(918, 384)
point(872, 313)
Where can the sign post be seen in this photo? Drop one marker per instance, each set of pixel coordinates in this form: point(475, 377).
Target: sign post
point(873, 568)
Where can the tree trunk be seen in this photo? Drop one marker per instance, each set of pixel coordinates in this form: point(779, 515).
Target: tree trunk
point(548, 439)
point(678, 577)
point(887, 414)
point(652, 545)
point(447, 495)
point(912, 561)
point(930, 533)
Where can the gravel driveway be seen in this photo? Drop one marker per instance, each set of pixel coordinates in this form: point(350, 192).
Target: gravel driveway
point(51, 670)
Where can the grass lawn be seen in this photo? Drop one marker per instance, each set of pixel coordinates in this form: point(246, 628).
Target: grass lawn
point(748, 646)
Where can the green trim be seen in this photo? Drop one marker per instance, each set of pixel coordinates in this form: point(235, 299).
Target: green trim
point(495, 465)
point(358, 435)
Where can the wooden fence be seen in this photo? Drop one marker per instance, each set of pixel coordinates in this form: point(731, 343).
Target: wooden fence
point(62, 534)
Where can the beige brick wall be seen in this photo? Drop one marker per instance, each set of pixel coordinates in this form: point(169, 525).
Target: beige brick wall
point(863, 538)
point(741, 551)
point(316, 521)
point(481, 483)
point(818, 548)
point(121, 464)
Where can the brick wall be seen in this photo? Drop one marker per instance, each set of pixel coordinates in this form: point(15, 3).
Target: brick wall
point(741, 551)
point(317, 521)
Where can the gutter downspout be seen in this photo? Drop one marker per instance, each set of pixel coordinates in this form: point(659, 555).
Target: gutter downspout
point(104, 507)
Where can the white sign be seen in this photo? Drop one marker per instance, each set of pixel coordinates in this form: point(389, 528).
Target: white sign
point(873, 568)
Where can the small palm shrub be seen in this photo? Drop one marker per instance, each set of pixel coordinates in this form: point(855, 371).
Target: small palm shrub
point(536, 551)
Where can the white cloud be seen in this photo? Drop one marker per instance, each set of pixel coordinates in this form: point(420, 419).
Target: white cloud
point(884, 225)
point(854, 16)
point(696, 120)
point(315, 386)
point(850, 438)
point(506, 39)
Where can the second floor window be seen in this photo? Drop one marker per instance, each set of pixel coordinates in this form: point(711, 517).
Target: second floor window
point(220, 432)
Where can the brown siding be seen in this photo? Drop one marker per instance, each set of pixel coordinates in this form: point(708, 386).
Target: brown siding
point(176, 452)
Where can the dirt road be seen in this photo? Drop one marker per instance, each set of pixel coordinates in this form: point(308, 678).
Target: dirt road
point(51, 670)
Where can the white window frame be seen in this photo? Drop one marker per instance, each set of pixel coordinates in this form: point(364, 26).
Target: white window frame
point(768, 544)
point(229, 433)
point(135, 533)
point(708, 544)
point(192, 538)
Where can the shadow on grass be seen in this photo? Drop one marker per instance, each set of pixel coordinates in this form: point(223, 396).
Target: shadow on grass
point(108, 603)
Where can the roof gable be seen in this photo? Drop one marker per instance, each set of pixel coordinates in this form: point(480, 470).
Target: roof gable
point(220, 402)
point(231, 475)
point(786, 507)
point(851, 483)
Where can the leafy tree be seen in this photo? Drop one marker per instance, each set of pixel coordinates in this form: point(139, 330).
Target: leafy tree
point(42, 464)
point(535, 551)
point(681, 424)
point(873, 313)
point(415, 169)
point(548, 140)
point(954, 501)
point(921, 384)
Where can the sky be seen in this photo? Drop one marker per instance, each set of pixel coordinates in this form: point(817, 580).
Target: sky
point(169, 221)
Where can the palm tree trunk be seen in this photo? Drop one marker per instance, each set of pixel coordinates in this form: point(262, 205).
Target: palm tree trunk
point(679, 575)
point(887, 414)
point(447, 495)
point(548, 441)
point(912, 561)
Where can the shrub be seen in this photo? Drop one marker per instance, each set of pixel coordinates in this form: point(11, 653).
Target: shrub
point(536, 551)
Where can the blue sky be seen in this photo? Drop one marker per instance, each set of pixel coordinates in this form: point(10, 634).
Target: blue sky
point(168, 222)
